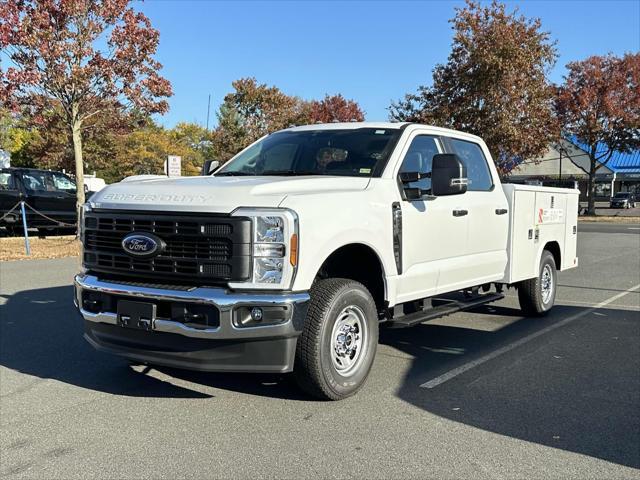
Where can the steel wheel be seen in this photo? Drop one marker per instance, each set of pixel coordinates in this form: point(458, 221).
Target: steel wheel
point(337, 346)
point(537, 295)
point(546, 284)
point(348, 340)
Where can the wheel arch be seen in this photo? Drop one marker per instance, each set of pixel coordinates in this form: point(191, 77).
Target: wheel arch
point(553, 247)
point(360, 262)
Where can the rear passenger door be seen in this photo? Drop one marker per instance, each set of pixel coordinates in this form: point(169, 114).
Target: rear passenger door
point(488, 218)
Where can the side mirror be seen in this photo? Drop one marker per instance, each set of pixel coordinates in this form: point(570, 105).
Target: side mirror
point(410, 177)
point(448, 175)
point(209, 166)
point(411, 193)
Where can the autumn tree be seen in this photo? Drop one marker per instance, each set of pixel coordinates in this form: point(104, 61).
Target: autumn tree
point(78, 59)
point(46, 145)
point(14, 134)
point(334, 108)
point(197, 141)
point(253, 110)
point(142, 151)
point(145, 149)
point(599, 103)
point(46, 142)
point(229, 137)
point(494, 84)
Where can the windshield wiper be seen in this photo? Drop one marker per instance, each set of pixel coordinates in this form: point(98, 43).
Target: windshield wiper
point(234, 174)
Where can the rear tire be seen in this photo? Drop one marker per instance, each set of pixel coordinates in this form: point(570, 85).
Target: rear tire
point(537, 295)
point(337, 346)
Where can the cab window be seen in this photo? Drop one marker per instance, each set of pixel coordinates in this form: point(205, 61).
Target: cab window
point(419, 158)
point(6, 181)
point(48, 182)
point(477, 168)
point(34, 181)
point(63, 183)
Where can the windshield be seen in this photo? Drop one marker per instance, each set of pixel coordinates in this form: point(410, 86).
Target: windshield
point(354, 152)
point(622, 195)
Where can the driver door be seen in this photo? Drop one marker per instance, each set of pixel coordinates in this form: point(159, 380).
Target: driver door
point(434, 239)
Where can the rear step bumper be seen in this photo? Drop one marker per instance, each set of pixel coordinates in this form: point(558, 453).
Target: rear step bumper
point(449, 307)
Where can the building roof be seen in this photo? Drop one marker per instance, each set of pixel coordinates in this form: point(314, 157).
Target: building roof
point(620, 162)
point(574, 161)
point(580, 157)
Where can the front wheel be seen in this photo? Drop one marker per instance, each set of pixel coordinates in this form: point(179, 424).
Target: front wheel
point(537, 295)
point(337, 346)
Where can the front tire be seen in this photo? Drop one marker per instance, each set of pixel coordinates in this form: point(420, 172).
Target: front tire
point(537, 295)
point(336, 349)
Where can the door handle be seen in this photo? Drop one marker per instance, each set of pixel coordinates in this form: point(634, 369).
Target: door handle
point(501, 211)
point(459, 213)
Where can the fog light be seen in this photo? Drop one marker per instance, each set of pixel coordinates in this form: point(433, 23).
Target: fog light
point(92, 305)
point(247, 317)
point(256, 314)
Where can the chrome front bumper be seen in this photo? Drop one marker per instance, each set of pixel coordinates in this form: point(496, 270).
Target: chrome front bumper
point(220, 298)
point(225, 347)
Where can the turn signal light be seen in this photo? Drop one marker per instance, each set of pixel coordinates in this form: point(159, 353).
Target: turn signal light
point(293, 250)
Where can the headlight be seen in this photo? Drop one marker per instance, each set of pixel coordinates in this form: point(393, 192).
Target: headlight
point(275, 248)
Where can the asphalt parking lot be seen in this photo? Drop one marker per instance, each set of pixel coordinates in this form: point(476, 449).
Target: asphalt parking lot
point(482, 394)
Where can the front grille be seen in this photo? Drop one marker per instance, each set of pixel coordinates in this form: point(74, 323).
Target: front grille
point(197, 248)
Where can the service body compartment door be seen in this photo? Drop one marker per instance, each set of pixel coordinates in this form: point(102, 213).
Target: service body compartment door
point(522, 246)
point(570, 254)
point(551, 219)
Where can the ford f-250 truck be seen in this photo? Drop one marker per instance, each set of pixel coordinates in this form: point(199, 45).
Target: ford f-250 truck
point(291, 255)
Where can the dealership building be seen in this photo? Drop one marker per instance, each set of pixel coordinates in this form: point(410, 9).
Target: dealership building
point(568, 161)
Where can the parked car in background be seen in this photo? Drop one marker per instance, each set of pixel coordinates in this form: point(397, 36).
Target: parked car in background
point(623, 200)
point(93, 184)
point(51, 194)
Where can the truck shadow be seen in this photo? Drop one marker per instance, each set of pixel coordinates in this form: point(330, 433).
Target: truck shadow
point(41, 335)
point(576, 388)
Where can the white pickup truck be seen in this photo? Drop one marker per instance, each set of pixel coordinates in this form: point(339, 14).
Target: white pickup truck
point(291, 255)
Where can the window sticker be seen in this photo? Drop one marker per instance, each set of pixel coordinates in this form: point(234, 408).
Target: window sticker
point(365, 170)
point(380, 132)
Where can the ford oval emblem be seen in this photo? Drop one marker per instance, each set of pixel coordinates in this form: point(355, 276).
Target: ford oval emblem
point(142, 245)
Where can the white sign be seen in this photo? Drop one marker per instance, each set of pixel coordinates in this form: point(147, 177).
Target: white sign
point(173, 166)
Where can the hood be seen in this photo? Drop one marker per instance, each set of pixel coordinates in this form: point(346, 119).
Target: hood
point(216, 194)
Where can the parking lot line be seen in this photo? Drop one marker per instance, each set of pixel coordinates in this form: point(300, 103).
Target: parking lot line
point(496, 353)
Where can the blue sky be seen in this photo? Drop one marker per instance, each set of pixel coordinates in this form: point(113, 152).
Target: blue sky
point(371, 51)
